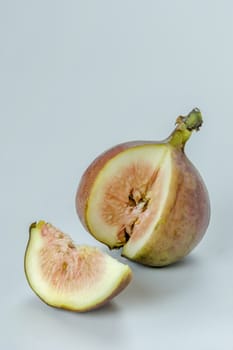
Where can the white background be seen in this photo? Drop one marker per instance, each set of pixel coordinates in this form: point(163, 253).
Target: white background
point(77, 77)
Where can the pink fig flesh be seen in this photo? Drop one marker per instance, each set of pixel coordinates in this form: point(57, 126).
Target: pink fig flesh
point(69, 276)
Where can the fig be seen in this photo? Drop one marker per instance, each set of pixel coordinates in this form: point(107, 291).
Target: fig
point(69, 276)
point(147, 197)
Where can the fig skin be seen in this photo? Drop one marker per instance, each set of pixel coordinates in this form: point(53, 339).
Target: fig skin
point(186, 215)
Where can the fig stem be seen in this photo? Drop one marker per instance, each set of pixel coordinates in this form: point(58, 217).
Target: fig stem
point(184, 128)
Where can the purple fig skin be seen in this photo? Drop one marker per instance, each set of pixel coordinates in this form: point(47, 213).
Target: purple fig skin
point(186, 215)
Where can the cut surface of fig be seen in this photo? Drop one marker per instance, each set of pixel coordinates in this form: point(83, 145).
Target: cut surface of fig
point(70, 276)
point(128, 196)
point(147, 197)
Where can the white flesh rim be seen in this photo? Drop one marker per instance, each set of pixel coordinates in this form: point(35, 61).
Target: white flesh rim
point(159, 157)
point(85, 297)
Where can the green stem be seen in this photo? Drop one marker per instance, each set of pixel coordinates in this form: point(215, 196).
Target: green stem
point(184, 128)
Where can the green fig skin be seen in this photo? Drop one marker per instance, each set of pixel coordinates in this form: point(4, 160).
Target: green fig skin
point(185, 217)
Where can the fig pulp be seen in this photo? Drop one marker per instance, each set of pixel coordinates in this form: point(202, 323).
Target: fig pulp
point(68, 276)
point(147, 197)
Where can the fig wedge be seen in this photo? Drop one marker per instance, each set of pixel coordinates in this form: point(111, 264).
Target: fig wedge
point(69, 276)
point(147, 197)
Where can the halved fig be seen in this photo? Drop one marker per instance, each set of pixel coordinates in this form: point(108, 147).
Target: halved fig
point(69, 276)
point(147, 197)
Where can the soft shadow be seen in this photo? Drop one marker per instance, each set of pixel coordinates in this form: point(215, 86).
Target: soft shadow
point(160, 283)
point(102, 322)
point(34, 304)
